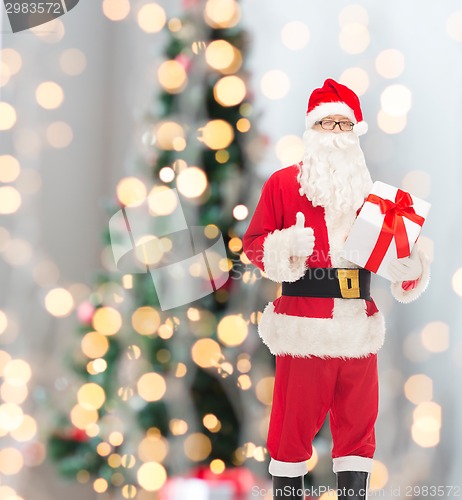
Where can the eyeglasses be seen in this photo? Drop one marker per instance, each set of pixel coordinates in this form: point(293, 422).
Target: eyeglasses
point(345, 126)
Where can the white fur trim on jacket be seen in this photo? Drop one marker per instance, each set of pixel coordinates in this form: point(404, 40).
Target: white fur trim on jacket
point(335, 108)
point(287, 469)
point(404, 296)
point(349, 336)
point(353, 463)
point(276, 257)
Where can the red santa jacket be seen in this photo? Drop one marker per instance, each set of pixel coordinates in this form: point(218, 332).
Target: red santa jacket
point(304, 326)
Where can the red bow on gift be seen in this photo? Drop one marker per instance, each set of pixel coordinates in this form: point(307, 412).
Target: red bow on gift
point(393, 226)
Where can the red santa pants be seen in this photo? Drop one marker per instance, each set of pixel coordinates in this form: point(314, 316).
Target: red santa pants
point(305, 390)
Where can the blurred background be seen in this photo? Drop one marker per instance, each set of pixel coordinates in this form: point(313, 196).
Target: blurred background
point(105, 395)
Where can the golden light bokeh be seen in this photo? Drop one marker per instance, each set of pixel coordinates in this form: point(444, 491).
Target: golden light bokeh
point(151, 17)
point(229, 91)
point(240, 212)
point(191, 182)
point(72, 62)
point(235, 244)
point(94, 345)
point(435, 336)
point(353, 13)
point(457, 281)
point(418, 183)
point(390, 63)
point(146, 320)
point(12, 59)
point(116, 10)
point(81, 417)
point(151, 386)
point(295, 35)
point(289, 149)
point(11, 416)
point(206, 353)
point(426, 424)
point(222, 13)
point(354, 38)
point(107, 320)
point(4, 74)
point(172, 76)
point(243, 125)
point(454, 26)
point(379, 476)
point(10, 199)
point(9, 168)
point(396, 100)
point(217, 466)
point(166, 174)
point(223, 56)
point(391, 124)
point(275, 84)
point(217, 134)
point(59, 302)
point(197, 447)
point(264, 390)
point(16, 394)
point(244, 382)
point(11, 461)
point(100, 485)
point(7, 116)
point(17, 372)
point(418, 388)
point(356, 79)
point(162, 201)
point(3, 322)
point(170, 136)
point(232, 330)
point(153, 448)
point(49, 95)
point(26, 431)
point(5, 358)
point(59, 134)
point(91, 396)
point(174, 24)
point(151, 476)
point(53, 33)
point(131, 190)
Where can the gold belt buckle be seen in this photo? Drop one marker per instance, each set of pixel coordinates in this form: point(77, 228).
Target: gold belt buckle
point(349, 283)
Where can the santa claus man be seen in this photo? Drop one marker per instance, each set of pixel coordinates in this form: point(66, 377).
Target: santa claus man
point(325, 329)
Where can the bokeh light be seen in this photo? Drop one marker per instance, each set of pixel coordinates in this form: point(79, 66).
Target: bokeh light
point(170, 136)
point(217, 134)
point(206, 353)
point(49, 95)
point(131, 190)
point(94, 345)
point(457, 282)
point(12, 59)
point(353, 13)
point(435, 336)
point(391, 124)
point(116, 10)
point(222, 13)
point(295, 35)
point(10, 199)
point(59, 134)
point(390, 63)
point(418, 183)
point(59, 302)
point(17, 372)
point(354, 38)
point(356, 79)
point(232, 330)
point(91, 396)
point(396, 100)
point(146, 320)
point(151, 386)
point(418, 388)
point(191, 182)
point(151, 476)
point(289, 149)
point(9, 168)
point(223, 56)
point(229, 91)
point(11, 461)
point(379, 476)
point(107, 320)
point(172, 76)
point(264, 390)
point(7, 116)
point(151, 18)
point(73, 62)
point(275, 84)
point(197, 447)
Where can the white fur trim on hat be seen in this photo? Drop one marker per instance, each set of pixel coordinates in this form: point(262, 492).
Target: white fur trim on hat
point(406, 296)
point(335, 108)
point(287, 469)
point(276, 257)
point(353, 463)
point(353, 336)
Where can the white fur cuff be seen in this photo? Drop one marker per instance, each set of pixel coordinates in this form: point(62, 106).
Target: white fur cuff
point(353, 463)
point(287, 469)
point(404, 296)
point(276, 257)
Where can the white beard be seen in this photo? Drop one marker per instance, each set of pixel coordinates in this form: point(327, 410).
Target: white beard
point(334, 172)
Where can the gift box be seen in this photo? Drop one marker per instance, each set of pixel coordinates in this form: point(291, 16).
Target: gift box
point(386, 228)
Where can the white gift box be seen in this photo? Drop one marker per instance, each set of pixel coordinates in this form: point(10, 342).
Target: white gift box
point(362, 240)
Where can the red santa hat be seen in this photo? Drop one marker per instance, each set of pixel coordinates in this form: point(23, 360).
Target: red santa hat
point(335, 99)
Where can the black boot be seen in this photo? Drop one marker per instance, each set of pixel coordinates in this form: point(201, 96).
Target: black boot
point(352, 485)
point(289, 488)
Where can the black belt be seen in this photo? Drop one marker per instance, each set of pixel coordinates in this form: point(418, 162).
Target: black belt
point(331, 282)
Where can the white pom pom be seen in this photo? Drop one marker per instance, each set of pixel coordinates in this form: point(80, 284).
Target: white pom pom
point(360, 128)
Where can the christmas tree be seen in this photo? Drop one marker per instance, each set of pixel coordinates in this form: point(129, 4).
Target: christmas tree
point(171, 387)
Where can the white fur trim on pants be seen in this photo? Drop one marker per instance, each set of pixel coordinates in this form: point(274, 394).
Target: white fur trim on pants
point(353, 463)
point(353, 336)
point(287, 469)
point(404, 296)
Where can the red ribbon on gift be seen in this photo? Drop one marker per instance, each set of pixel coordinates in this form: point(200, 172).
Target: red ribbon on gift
point(393, 226)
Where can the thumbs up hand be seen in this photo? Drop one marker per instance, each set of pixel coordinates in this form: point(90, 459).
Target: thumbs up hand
point(301, 243)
